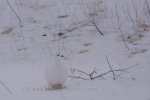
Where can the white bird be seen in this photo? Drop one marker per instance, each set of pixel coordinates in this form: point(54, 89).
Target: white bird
point(56, 73)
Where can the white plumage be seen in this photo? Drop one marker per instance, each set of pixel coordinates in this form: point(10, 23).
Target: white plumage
point(56, 73)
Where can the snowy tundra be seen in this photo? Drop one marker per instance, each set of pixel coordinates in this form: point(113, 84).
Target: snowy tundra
point(105, 46)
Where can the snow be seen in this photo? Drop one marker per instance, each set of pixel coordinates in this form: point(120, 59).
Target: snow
point(28, 47)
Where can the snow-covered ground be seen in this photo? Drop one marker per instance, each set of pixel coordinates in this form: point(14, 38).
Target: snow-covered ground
point(32, 32)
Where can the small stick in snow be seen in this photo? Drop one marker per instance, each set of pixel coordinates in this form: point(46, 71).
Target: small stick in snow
point(77, 77)
point(148, 8)
point(95, 25)
point(5, 87)
point(120, 29)
point(13, 11)
point(111, 68)
point(90, 75)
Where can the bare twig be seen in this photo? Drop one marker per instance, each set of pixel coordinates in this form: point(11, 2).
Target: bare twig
point(91, 18)
point(100, 75)
point(119, 25)
point(90, 75)
point(148, 8)
point(5, 87)
point(111, 68)
point(77, 70)
point(95, 25)
point(125, 69)
point(118, 70)
point(76, 27)
point(13, 11)
point(72, 29)
point(77, 77)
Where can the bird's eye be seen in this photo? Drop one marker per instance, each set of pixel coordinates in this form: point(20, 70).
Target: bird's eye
point(60, 55)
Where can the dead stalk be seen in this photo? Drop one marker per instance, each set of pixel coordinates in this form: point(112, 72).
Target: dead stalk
point(95, 25)
point(111, 68)
point(91, 19)
point(5, 87)
point(101, 75)
point(10, 6)
point(120, 29)
point(148, 8)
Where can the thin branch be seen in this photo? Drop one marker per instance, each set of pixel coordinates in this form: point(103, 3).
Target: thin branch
point(119, 25)
point(91, 74)
point(77, 77)
point(86, 13)
point(125, 69)
point(77, 70)
point(147, 4)
point(5, 87)
point(101, 75)
point(97, 28)
point(82, 72)
point(13, 11)
point(111, 68)
point(118, 70)
point(76, 27)
point(72, 29)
